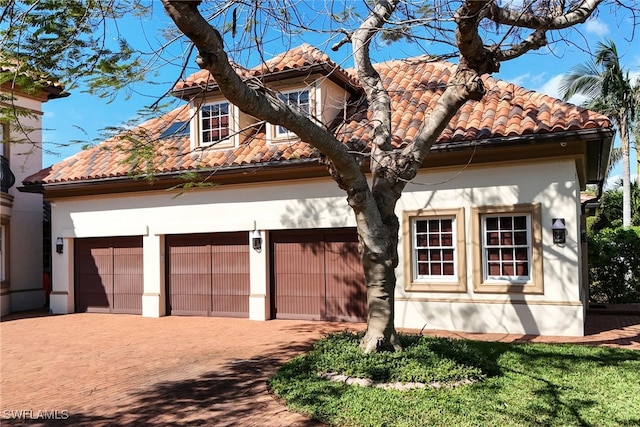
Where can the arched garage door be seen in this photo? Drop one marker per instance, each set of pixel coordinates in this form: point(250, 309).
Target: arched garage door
point(317, 275)
point(108, 275)
point(208, 274)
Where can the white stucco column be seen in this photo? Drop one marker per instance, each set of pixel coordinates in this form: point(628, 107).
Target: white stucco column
point(153, 297)
point(259, 300)
point(61, 300)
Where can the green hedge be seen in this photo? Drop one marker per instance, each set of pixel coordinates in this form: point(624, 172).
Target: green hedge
point(614, 266)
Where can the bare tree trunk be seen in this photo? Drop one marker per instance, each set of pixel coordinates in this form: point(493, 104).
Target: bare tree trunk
point(381, 281)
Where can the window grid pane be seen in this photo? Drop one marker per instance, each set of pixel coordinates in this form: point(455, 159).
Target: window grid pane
point(507, 247)
point(434, 246)
point(215, 122)
point(299, 100)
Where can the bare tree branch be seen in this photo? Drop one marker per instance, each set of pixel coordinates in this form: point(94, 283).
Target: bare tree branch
point(259, 103)
point(551, 20)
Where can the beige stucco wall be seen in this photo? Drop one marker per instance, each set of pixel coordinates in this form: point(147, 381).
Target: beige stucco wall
point(554, 186)
point(25, 249)
point(319, 203)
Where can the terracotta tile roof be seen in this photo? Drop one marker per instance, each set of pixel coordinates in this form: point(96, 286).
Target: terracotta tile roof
point(415, 85)
point(297, 59)
point(584, 198)
point(9, 67)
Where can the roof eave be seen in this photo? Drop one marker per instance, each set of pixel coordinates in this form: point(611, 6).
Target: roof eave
point(167, 180)
point(598, 142)
point(332, 71)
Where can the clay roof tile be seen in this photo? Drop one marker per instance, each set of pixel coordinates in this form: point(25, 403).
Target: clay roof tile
point(415, 86)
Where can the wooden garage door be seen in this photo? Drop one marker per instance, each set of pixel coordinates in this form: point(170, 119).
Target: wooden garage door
point(317, 275)
point(208, 274)
point(109, 275)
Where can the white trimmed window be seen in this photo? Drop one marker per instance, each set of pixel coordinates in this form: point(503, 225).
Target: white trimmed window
point(506, 247)
point(435, 251)
point(510, 249)
point(298, 99)
point(215, 123)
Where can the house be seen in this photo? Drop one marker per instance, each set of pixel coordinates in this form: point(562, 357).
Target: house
point(22, 214)
point(491, 226)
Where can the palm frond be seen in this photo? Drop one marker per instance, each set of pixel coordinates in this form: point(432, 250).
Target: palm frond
point(614, 159)
point(584, 79)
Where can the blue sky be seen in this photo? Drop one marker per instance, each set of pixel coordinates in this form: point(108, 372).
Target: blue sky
point(82, 116)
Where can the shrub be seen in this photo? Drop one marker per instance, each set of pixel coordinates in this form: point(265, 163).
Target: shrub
point(614, 265)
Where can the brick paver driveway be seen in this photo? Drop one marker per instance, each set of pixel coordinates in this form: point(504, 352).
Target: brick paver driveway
point(129, 370)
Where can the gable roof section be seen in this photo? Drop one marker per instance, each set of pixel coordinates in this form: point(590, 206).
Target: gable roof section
point(506, 112)
point(299, 61)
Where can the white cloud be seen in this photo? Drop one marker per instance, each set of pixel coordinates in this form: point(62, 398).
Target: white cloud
point(521, 80)
point(528, 80)
point(597, 27)
point(613, 182)
point(552, 88)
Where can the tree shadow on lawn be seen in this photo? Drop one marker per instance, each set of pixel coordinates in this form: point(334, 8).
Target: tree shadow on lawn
point(538, 371)
point(548, 371)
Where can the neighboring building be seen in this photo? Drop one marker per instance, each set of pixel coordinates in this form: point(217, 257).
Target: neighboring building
point(273, 237)
point(21, 214)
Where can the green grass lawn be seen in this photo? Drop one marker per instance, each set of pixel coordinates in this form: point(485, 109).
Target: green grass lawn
point(513, 384)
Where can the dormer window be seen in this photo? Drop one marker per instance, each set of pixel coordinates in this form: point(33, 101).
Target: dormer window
point(214, 123)
point(299, 99)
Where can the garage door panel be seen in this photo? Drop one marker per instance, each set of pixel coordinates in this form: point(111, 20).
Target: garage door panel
point(187, 305)
point(301, 285)
point(127, 303)
point(109, 275)
point(190, 263)
point(191, 284)
point(94, 301)
point(95, 263)
point(345, 284)
point(209, 274)
point(318, 275)
point(190, 293)
point(230, 284)
point(230, 278)
point(300, 307)
point(92, 283)
point(128, 284)
point(230, 263)
point(128, 280)
point(230, 305)
point(127, 264)
point(299, 258)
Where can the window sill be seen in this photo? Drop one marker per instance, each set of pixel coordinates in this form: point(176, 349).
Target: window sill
point(442, 287)
point(222, 144)
point(498, 287)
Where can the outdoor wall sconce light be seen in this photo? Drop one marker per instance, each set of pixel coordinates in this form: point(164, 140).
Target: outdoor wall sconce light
point(256, 240)
point(559, 231)
point(59, 245)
